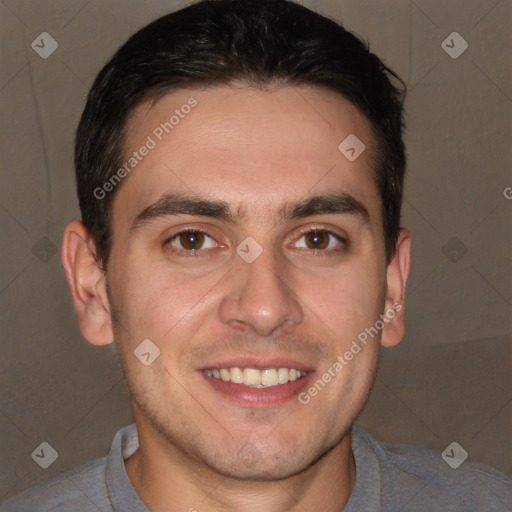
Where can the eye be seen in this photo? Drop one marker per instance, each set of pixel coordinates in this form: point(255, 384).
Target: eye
point(321, 239)
point(190, 241)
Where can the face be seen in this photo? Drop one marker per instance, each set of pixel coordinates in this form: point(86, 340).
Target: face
point(264, 254)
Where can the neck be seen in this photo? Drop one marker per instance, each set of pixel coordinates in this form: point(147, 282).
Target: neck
point(169, 480)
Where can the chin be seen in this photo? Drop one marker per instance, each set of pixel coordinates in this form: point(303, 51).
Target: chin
point(269, 464)
point(261, 472)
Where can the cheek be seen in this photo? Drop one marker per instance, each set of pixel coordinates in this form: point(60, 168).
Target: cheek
point(162, 304)
point(348, 300)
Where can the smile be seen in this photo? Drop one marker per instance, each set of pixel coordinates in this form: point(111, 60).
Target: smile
point(255, 378)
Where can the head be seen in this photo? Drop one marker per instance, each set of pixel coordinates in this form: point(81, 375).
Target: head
point(227, 119)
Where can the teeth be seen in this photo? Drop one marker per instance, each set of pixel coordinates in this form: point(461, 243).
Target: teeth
point(256, 378)
point(282, 375)
point(237, 375)
point(252, 377)
point(269, 377)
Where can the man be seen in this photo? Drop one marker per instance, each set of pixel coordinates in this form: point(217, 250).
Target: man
point(240, 169)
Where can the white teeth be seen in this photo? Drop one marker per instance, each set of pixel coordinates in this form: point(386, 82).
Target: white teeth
point(256, 378)
point(252, 377)
point(269, 377)
point(237, 375)
point(282, 375)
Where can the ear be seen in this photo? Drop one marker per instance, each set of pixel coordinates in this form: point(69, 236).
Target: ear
point(87, 283)
point(397, 274)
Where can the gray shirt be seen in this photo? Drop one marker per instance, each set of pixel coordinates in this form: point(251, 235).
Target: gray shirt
point(390, 478)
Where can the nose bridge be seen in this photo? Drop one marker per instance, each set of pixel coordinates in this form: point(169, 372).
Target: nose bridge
point(260, 297)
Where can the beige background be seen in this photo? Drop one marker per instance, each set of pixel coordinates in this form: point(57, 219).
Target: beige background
point(450, 379)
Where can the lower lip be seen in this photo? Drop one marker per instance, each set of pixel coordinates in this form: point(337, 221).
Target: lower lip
point(245, 395)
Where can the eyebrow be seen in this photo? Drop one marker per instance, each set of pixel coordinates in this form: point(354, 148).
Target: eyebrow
point(186, 204)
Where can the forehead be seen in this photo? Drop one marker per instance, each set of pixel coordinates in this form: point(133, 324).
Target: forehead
point(253, 149)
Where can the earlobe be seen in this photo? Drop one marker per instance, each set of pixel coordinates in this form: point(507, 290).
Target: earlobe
point(87, 283)
point(397, 275)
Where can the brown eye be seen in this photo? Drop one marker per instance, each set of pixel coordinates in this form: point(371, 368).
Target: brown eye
point(322, 240)
point(317, 239)
point(191, 240)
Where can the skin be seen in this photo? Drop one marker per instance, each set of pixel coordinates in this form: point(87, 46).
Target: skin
point(257, 150)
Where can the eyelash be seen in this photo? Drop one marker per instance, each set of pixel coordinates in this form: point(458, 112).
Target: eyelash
point(194, 253)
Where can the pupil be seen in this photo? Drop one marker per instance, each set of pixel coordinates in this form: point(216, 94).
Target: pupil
point(191, 240)
point(318, 240)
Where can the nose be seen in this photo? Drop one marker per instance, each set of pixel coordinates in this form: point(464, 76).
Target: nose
point(261, 297)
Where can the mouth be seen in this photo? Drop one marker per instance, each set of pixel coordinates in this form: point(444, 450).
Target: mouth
point(254, 378)
point(252, 383)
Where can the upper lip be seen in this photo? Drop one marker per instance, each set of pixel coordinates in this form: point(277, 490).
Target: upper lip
point(258, 363)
